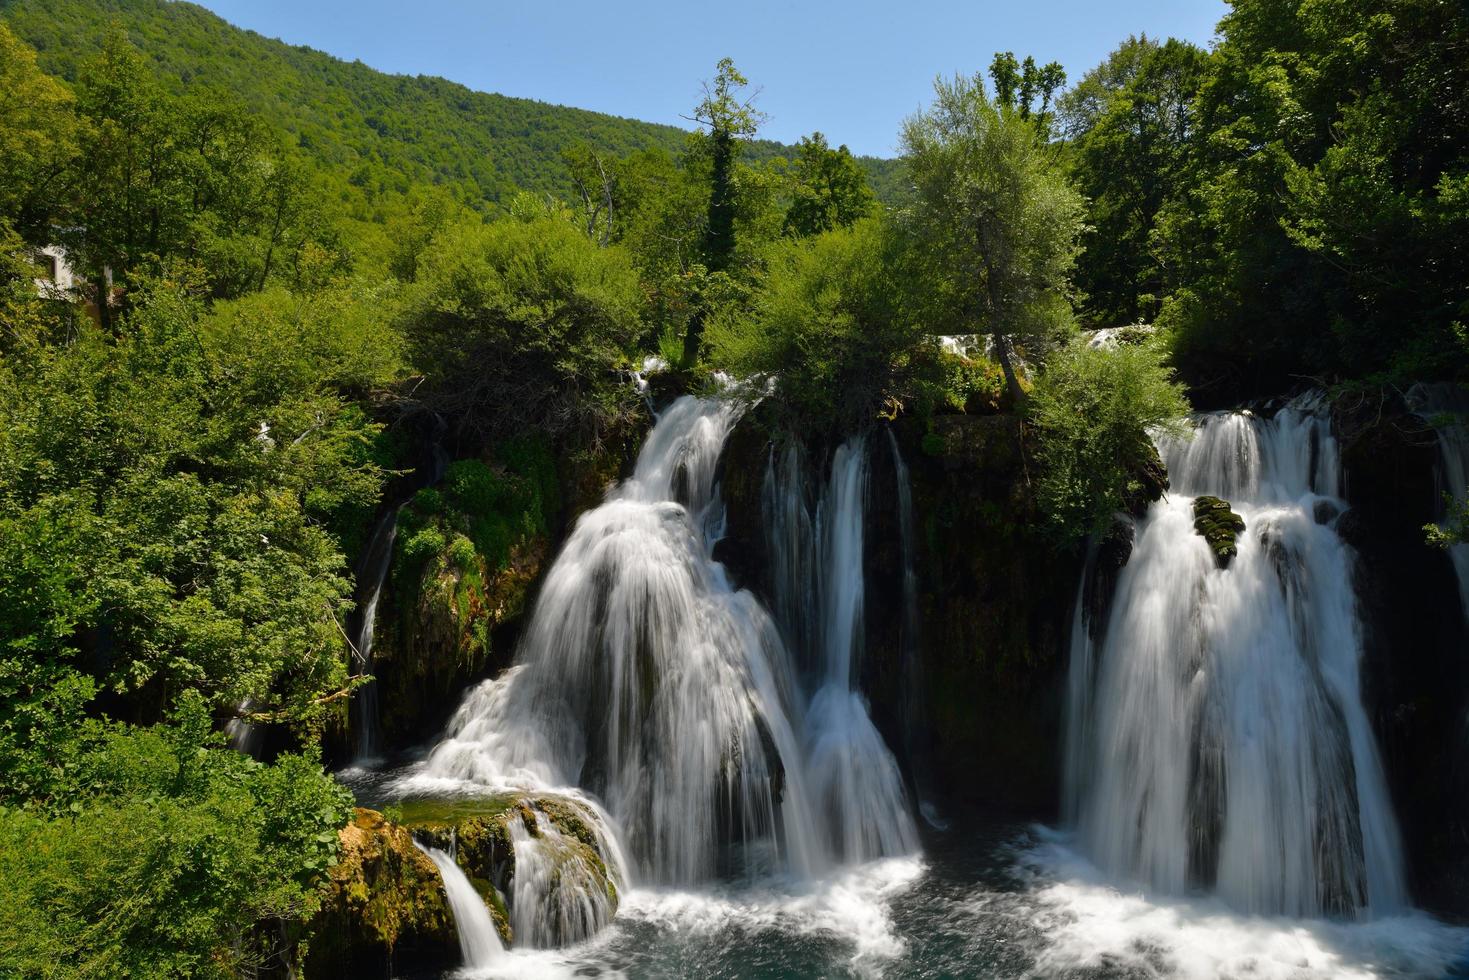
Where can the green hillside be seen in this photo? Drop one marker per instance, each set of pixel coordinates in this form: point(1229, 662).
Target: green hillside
point(385, 131)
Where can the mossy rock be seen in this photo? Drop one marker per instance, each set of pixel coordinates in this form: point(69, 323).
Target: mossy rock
point(479, 833)
point(1219, 526)
point(383, 902)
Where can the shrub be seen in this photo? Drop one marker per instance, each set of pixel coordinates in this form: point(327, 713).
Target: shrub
point(831, 331)
point(1092, 413)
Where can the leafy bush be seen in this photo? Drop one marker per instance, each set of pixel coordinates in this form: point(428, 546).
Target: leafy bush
point(163, 855)
point(519, 325)
point(830, 330)
point(1092, 413)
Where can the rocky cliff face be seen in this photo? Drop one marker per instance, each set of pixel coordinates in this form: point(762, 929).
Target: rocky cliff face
point(469, 553)
point(1416, 670)
point(977, 724)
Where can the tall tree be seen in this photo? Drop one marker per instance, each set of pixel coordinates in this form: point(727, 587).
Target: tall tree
point(37, 139)
point(730, 120)
point(997, 221)
point(829, 188)
point(1330, 187)
point(1027, 88)
point(1134, 127)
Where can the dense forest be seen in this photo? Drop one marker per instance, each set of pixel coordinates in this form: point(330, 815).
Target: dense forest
point(293, 272)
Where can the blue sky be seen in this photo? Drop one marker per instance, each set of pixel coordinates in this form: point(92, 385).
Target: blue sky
point(853, 70)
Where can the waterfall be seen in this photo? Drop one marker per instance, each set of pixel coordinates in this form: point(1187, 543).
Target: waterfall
point(1221, 742)
point(244, 736)
point(372, 571)
point(910, 701)
point(479, 943)
point(1446, 408)
point(647, 679)
point(855, 777)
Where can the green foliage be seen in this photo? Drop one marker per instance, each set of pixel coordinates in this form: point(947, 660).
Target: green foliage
point(382, 138)
point(1134, 128)
point(37, 135)
point(995, 222)
point(1026, 88)
point(972, 385)
point(828, 188)
point(471, 524)
point(1320, 229)
point(830, 329)
point(1093, 412)
point(163, 495)
point(164, 856)
point(519, 323)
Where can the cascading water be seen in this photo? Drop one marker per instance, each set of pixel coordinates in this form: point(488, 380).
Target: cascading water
point(245, 736)
point(479, 943)
point(371, 573)
point(560, 893)
point(1219, 738)
point(911, 698)
point(1446, 408)
point(854, 776)
point(646, 678)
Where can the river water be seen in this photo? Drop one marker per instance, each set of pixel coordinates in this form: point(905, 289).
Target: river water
point(997, 900)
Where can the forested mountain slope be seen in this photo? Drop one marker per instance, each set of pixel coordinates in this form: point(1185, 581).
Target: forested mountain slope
point(386, 131)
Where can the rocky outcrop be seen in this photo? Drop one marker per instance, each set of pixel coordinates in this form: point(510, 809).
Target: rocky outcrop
point(383, 905)
point(469, 554)
point(994, 604)
point(575, 888)
point(1220, 526)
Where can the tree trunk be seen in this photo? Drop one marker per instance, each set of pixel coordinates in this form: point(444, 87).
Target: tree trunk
point(1002, 353)
point(103, 300)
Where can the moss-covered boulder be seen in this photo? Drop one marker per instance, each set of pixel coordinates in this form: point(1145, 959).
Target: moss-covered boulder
point(1219, 526)
point(567, 888)
point(383, 904)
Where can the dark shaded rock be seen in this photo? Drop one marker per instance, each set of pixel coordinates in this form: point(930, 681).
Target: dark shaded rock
point(1219, 526)
point(1325, 511)
point(741, 477)
point(1414, 672)
point(1150, 483)
point(479, 835)
point(1114, 548)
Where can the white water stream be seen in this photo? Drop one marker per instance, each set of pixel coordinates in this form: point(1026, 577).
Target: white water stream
point(1219, 741)
point(646, 681)
point(479, 943)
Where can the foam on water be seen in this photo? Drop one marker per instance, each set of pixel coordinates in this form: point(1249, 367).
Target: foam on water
point(1091, 926)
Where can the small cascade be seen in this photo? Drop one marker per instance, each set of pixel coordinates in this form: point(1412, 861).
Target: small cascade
point(245, 737)
point(911, 698)
point(479, 942)
point(1218, 738)
point(562, 891)
point(1446, 408)
point(854, 775)
point(372, 572)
